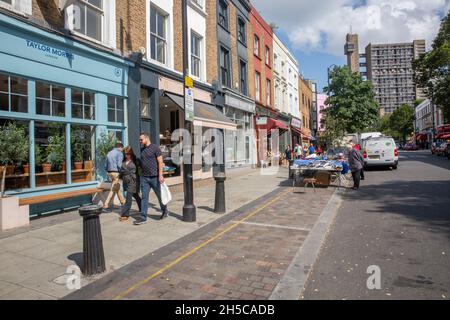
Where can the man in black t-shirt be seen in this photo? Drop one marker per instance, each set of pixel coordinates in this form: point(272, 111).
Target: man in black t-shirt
point(152, 165)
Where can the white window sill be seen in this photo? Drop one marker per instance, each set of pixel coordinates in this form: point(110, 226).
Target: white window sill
point(84, 37)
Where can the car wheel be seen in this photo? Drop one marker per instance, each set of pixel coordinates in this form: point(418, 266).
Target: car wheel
point(395, 167)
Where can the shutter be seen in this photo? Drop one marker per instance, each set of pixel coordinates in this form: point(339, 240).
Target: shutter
point(109, 32)
point(23, 6)
point(69, 17)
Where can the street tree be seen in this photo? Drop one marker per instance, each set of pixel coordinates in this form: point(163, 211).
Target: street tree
point(352, 106)
point(400, 123)
point(432, 70)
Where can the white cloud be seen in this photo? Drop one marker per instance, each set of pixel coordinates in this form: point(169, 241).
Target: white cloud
point(321, 25)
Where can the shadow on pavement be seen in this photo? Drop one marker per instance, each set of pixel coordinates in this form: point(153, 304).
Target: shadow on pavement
point(426, 202)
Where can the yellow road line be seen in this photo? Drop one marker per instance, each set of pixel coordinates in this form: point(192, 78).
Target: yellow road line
point(188, 254)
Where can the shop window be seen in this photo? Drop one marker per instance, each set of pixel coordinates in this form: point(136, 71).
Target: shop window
point(225, 67)
point(50, 153)
point(115, 109)
point(14, 142)
point(50, 100)
point(170, 119)
point(145, 103)
point(223, 14)
point(196, 55)
point(116, 135)
point(83, 105)
point(13, 94)
point(83, 153)
point(158, 35)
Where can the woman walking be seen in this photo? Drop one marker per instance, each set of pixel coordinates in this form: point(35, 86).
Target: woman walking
point(131, 184)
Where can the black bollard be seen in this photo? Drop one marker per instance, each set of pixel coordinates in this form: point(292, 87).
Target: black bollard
point(93, 255)
point(219, 206)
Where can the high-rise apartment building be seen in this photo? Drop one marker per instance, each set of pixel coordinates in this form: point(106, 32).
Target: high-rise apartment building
point(389, 67)
point(352, 52)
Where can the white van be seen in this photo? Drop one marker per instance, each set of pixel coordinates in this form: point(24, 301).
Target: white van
point(380, 151)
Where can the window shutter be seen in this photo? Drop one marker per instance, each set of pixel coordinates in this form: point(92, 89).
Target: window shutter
point(69, 17)
point(23, 6)
point(110, 23)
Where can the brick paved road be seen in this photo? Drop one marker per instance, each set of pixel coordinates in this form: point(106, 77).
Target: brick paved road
point(243, 258)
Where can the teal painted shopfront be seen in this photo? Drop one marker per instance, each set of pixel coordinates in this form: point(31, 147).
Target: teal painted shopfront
point(63, 94)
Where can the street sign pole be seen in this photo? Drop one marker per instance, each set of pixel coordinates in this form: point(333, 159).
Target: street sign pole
point(189, 210)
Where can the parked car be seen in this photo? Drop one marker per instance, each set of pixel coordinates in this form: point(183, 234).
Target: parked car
point(440, 151)
point(435, 146)
point(410, 147)
point(380, 152)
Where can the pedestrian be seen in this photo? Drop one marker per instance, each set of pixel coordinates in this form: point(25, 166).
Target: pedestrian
point(152, 165)
point(311, 149)
point(298, 151)
point(288, 154)
point(356, 163)
point(319, 151)
point(357, 147)
point(114, 161)
point(130, 178)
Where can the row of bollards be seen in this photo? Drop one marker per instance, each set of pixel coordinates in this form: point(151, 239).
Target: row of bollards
point(93, 254)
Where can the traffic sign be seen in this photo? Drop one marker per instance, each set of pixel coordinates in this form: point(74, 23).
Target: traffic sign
point(189, 104)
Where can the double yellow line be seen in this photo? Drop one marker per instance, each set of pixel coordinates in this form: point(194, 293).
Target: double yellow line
point(190, 253)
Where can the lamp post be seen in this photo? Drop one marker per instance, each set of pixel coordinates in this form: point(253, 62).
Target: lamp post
point(189, 210)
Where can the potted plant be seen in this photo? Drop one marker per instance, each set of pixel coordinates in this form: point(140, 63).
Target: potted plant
point(14, 148)
point(105, 144)
point(56, 152)
point(37, 156)
point(78, 138)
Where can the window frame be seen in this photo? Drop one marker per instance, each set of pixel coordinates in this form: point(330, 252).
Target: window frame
point(257, 86)
point(156, 36)
point(243, 77)
point(256, 46)
point(196, 57)
point(83, 105)
point(222, 8)
point(268, 92)
point(10, 93)
point(241, 29)
point(227, 68)
point(116, 109)
point(268, 60)
point(101, 10)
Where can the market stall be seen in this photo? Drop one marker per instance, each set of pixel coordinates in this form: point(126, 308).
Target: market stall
point(323, 171)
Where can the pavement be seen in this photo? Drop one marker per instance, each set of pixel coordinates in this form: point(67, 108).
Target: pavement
point(265, 226)
point(399, 221)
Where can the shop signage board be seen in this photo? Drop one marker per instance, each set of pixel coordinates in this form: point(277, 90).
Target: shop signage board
point(189, 104)
point(261, 121)
point(296, 123)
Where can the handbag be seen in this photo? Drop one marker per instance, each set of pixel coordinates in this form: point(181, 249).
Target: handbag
point(166, 196)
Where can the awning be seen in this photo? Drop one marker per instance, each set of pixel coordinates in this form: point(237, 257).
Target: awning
point(445, 136)
point(273, 124)
point(422, 137)
point(205, 114)
point(296, 130)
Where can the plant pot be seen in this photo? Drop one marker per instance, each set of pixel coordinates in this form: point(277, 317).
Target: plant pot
point(47, 167)
point(89, 165)
point(10, 170)
point(26, 169)
point(78, 165)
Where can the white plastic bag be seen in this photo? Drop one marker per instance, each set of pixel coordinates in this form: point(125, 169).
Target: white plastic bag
point(166, 196)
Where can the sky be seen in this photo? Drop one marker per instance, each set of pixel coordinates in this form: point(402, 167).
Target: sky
point(315, 30)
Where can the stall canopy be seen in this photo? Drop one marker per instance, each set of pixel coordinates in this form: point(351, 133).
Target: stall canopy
point(445, 136)
point(205, 114)
point(273, 124)
point(296, 130)
point(422, 137)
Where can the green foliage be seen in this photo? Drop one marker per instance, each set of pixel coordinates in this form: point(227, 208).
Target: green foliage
point(432, 70)
point(78, 141)
point(105, 144)
point(38, 156)
point(352, 105)
point(14, 147)
point(56, 150)
point(399, 124)
point(14, 144)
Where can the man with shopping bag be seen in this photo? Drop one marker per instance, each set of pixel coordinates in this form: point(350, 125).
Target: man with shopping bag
point(152, 166)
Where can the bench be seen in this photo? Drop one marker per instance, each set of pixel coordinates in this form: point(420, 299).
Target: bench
point(58, 196)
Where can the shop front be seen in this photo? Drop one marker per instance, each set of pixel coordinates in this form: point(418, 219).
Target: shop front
point(64, 100)
point(240, 144)
point(296, 131)
point(207, 118)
